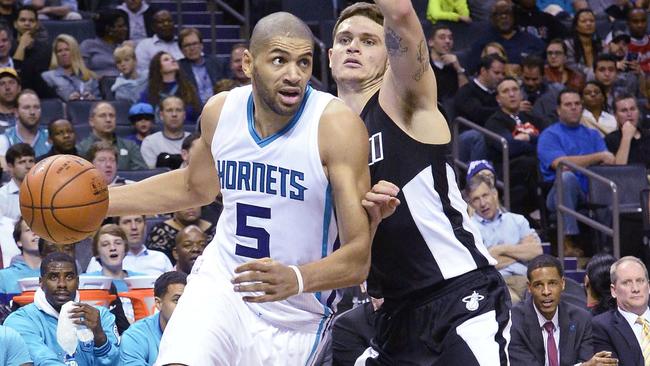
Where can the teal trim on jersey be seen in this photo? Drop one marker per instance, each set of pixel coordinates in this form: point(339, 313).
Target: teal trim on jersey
point(327, 220)
point(250, 113)
point(319, 332)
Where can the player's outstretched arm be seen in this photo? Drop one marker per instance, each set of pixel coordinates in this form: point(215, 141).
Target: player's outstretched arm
point(192, 186)
point(343, 143)
point(409, 89)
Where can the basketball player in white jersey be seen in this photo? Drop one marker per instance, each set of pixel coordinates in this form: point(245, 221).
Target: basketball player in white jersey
point(285, 157)
point(444, 302)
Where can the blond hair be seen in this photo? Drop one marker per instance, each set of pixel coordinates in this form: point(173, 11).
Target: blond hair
point(123, 52)
point(78, 66)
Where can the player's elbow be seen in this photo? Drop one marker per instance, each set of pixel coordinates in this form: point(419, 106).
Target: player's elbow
point(400, 10)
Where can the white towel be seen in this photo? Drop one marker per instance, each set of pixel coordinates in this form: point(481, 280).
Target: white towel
point(68, 334)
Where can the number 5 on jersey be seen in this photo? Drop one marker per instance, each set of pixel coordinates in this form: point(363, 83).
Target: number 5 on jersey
point(245, 211)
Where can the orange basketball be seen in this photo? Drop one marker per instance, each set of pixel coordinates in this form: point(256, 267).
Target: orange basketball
point(63, 199)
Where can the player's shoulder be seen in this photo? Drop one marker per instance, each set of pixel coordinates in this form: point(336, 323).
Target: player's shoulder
point(338, 112)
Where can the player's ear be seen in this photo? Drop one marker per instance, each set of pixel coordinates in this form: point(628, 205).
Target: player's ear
point(247, 63)
point(158, 302)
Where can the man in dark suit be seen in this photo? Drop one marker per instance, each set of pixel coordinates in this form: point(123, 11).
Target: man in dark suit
point(624, 331)
point(535, 339)
point(203, 71)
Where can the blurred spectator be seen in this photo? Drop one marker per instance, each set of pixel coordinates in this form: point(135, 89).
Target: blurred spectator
point(27, 264)
point(597, 283)
point(32, 53)
point(566, 6)
point(476, 101)
point(481, 167)
point(516, 43)
point(102, 121)
point(450, 75)
point(521, 129)
point(539, 96)
point(15, 350)
point(112, 28)
point(202, 70)
point(139, 345)
point(507, 236)
point(165, 79)
point(37, 322)
point(619, 10)
point(68, 75)
point(190, 243)
point(595, 114)
point(9, 90)
point(104, 157)
point(62, 137)
point(495, 48)
point(162, 236)
point(536, 22)
point(623, 329)
point(236, 71)
point(129, 85)
point(568, 140)
point(615, 81)
point(20, 159)
point(480, 9)
point(6, 40)
point(454, 10)
point(162, 40)
point(188, 144)
point(142, 117)
point(639, 47)
point(55, 9)
point(140, 18)
point(9, 12)
point(629, 143)
point(169, 140)
point(110, 246)
point(547, 330)
point(223, 85)
point(584, 45)
point(556, 69)
point(27, 128)
point(139, 258)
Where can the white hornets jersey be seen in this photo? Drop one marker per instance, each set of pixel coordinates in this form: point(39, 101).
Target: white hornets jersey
point(277, 201)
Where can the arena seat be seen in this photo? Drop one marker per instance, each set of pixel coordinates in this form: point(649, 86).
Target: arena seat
point(105, 84)
point(138, 175)
point(51, 108)
point(312, 14)
point(630, 180)
point(79, 29)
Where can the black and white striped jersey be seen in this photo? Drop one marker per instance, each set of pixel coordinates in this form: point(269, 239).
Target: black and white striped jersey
point(429, 238)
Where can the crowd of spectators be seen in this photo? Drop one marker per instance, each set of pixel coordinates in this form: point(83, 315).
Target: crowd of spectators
point(540, 74)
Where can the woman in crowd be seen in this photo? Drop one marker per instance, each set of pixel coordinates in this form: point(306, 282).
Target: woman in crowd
point(597, 284)
point(585, 45)
point(68, 75)
point(112, 28)
point(594, 114)
point(166, 78)
point(495, 48)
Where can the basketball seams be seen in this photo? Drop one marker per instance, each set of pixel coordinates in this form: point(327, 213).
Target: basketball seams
point(31, 198)
point(47, 170)
point(63, 207)
point(66, 183)
point(70, 228)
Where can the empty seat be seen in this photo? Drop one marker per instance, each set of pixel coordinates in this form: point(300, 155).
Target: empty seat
point(316, 11)
point(630, 180)
point(51, 108)
point(105, 84)
point(138, 175)
point(79, 29)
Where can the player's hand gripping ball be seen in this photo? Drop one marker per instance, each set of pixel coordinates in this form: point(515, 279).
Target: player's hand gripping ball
point(64, 199)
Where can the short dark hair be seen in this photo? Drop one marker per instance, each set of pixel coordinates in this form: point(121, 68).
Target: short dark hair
point(543, 261)
point(10, 33)
point(18, 230)
point(370, 11)
point(17, 151)
point(166, 279)
point(622, 96)
point(565, 91)
point(597, 271)
point(27, 8)
point(532, 61)
point(559, 41)
point(57, 257)
point(189, 140)
point(507, 78)
point(487, 61)
point(438, 27)
point(106, 18)
point(98, 146)
point(50, 125)
point(604, 57)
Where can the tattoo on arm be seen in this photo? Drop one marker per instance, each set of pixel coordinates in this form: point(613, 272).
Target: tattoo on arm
point(422, 61)
point(394, 43)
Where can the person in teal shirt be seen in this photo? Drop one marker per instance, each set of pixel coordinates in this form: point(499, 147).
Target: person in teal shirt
point(37, 322)
point(13, 350)
point(140, 342)
point(23, 266)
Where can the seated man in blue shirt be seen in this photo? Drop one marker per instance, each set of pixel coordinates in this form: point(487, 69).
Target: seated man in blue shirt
point(568, 140)
point(37, 322)
point(140, 342)
point(23, 266)
point(13, 350)
point(507, 236)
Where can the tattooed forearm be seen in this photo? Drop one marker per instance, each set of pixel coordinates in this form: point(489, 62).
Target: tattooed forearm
point(394, 43)
point(422, 61)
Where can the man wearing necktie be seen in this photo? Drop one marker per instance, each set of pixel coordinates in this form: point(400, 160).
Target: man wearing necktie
point(625, 331)
point(547, 331)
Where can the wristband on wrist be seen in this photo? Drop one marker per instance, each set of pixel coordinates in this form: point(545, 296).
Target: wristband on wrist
point(296, 270)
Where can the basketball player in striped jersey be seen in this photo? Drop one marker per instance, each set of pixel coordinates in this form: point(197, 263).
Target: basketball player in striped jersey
point(285, 157)
point(444, 302)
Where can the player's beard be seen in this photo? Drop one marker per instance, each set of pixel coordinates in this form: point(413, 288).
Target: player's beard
point(267, 96)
